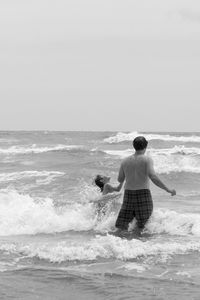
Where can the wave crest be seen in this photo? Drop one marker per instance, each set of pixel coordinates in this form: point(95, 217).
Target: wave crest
point(42, 176)
point(176, 159)
point(122, 137)
point(21, 214)
point(36, 149)
point(102, 246)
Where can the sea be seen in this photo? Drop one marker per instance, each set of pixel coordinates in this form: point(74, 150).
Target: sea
point(57, 237)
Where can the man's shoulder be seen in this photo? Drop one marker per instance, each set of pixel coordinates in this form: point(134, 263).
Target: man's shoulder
point(146, 159)
point(126, 159)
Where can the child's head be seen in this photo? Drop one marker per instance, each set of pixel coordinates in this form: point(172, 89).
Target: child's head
point(101, 181)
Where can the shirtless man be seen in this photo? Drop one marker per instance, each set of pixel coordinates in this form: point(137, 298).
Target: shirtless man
point(136, 170)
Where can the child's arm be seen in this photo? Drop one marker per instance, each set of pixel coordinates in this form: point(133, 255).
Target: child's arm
point(110, 189)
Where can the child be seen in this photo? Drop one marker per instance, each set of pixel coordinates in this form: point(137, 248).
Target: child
point(105, 187)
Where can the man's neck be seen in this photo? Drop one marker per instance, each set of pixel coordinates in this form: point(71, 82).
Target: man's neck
point(139, 152)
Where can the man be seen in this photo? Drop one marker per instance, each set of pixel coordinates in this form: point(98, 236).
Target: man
point(136, 170)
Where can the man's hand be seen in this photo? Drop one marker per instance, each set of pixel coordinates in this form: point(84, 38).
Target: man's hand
point(172, 192)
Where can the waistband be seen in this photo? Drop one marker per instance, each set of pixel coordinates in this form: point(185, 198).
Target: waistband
point(137, 191)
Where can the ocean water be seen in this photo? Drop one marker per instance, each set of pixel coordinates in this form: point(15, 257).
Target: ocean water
point(56, 241)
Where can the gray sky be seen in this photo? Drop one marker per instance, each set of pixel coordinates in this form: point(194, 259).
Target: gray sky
point(100, 65)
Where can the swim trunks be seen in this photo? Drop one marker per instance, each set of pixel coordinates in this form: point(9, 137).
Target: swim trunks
point(136, 204)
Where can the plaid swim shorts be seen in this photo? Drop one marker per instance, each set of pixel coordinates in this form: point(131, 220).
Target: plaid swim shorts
point(136, 204)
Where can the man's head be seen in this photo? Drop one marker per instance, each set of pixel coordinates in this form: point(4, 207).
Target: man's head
point(140, 143)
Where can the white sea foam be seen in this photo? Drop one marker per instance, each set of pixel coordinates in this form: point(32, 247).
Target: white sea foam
point(176, 159)
point(121, 137)
point(101, 246)
point(120, 153)
point(133, 266)
point(36, 149)
point(183, 273)
point(165, 165)
point(174, 223)
point(176, 150)
point(163, 221)
point(41, 176)
point(21, 214)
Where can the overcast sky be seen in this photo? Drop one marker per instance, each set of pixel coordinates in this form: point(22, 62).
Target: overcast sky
point(121, 65)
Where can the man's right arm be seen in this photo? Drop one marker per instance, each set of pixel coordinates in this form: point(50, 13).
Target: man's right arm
point(156, 180)
point(121, 175)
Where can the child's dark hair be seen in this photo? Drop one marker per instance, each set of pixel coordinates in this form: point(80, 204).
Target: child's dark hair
point(99, 183)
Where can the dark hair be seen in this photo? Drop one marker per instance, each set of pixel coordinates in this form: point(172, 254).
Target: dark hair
point(140, 143)
point(99, 183)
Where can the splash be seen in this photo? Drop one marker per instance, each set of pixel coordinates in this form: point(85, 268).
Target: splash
point(22, 214)
point(174, 223)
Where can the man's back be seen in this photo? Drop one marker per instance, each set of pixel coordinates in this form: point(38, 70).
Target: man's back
point(134, 170)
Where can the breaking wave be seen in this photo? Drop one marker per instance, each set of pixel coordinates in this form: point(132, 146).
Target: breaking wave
point(101, 247)
point(176, 159)
point(121, 137)
point(181, 150)
point(40, 175)
point(22, 214)
point(37, 149)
